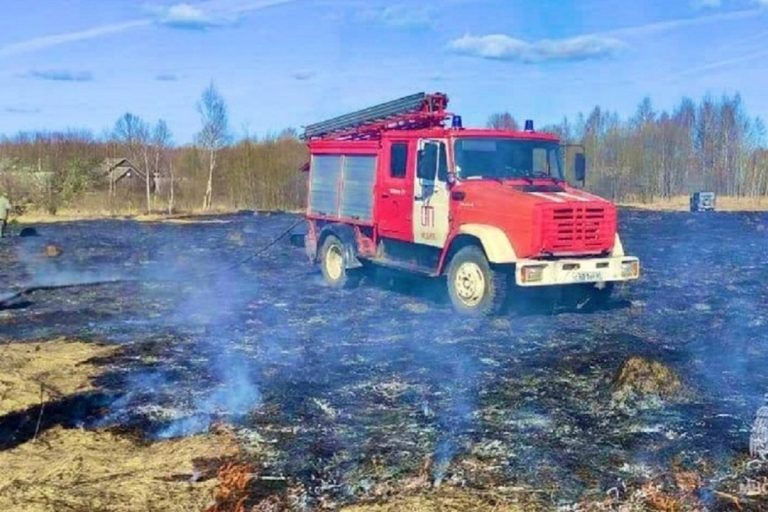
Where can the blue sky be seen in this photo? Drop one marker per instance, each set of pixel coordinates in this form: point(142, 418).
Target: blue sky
point(279, 63)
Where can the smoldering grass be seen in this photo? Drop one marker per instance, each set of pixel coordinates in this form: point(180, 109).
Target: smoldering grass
point(44, 270)
point(456, 417)
point(232, 399)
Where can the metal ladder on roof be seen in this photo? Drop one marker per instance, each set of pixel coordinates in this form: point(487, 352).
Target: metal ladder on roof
point(413, 112)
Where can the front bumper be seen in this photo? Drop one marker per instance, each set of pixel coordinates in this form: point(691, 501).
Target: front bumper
point(576, 271)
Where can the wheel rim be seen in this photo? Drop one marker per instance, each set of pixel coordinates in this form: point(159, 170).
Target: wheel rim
point(334, 262)
point(469, 284)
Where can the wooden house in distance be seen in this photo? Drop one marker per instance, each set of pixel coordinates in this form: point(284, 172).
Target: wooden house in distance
point(121, 173)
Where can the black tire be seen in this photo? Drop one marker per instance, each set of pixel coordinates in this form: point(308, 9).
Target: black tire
point(474, 287)
point(333, 264)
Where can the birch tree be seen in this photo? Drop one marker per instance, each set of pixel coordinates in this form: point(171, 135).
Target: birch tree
point(133, 132)
point(214, 134)
point(161, 142)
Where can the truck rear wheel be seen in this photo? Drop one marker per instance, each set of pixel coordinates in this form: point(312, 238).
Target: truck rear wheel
point(474, 287)
point(333, 263)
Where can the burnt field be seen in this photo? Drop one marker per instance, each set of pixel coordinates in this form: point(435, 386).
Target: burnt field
point(354, 395)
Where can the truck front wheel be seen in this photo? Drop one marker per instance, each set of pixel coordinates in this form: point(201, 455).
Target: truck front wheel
point(333, 263)
point(474, 287)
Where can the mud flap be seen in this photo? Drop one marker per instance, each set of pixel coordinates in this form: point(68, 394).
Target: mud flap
point(310, 247)
point(350, 257)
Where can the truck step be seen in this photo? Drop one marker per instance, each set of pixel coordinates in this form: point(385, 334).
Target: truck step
point(405, 266)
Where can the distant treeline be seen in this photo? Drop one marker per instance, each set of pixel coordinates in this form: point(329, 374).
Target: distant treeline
point(709, 145)
point(76, 170)
point(54, 171)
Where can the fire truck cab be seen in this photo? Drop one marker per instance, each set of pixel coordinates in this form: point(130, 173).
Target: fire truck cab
point(404, 185)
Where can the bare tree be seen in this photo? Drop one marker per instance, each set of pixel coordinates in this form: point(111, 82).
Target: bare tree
point(133, 132)
point(214, 134)
point(502, 121)
point(161, 142)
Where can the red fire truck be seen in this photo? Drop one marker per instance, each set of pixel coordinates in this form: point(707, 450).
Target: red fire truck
point(404, 185)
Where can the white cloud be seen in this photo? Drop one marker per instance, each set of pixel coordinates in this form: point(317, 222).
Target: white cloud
point(723, 63)
point(61, 75)
point(401, 16)
point(706, 4)
point(210, 14)
point(217, 9)
point(589, 46)
point(40, 43)
point(193, 17)
point(21, 110)
point(713, 4)
point(503, 47)
point(675, 24)
point(303, 75)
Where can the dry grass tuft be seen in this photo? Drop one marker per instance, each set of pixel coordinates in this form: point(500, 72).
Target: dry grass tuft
point(93, 471)
point(639, 377)
point(448, 500)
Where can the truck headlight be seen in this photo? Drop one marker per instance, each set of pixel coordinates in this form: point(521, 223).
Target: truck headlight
point(533, 273)
point(630, 268)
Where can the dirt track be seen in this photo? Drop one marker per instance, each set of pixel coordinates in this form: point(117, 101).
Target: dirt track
point(355, 394)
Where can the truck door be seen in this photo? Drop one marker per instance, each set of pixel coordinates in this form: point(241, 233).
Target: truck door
point(394, 190)
point(431, 199)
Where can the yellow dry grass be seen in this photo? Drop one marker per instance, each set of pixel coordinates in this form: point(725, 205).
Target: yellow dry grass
point(449, 500)
point(95, 471)
point(723, 203)
point(31, 372)
point(92, 470)
point(181, 217)
point(36, 217)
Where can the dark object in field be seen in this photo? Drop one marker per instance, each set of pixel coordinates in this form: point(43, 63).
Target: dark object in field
point(6, 300)
point(703, 202)
point(25, 232)
point(52, 251)
point(639, 378)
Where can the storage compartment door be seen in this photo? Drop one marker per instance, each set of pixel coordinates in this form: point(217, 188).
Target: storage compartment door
point(324, 176)
point(357, 187)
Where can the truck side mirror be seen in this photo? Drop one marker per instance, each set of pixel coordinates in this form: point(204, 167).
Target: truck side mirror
point(580, 167)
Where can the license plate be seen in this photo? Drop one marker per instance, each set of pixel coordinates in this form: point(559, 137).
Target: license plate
point(588, 276)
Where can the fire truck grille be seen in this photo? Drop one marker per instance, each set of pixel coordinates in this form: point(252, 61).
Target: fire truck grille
point(577, 229)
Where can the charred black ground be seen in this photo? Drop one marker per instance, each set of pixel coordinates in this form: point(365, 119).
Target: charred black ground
point(344, 390)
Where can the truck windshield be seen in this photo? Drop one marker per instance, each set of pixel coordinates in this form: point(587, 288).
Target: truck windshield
point(507, 158)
